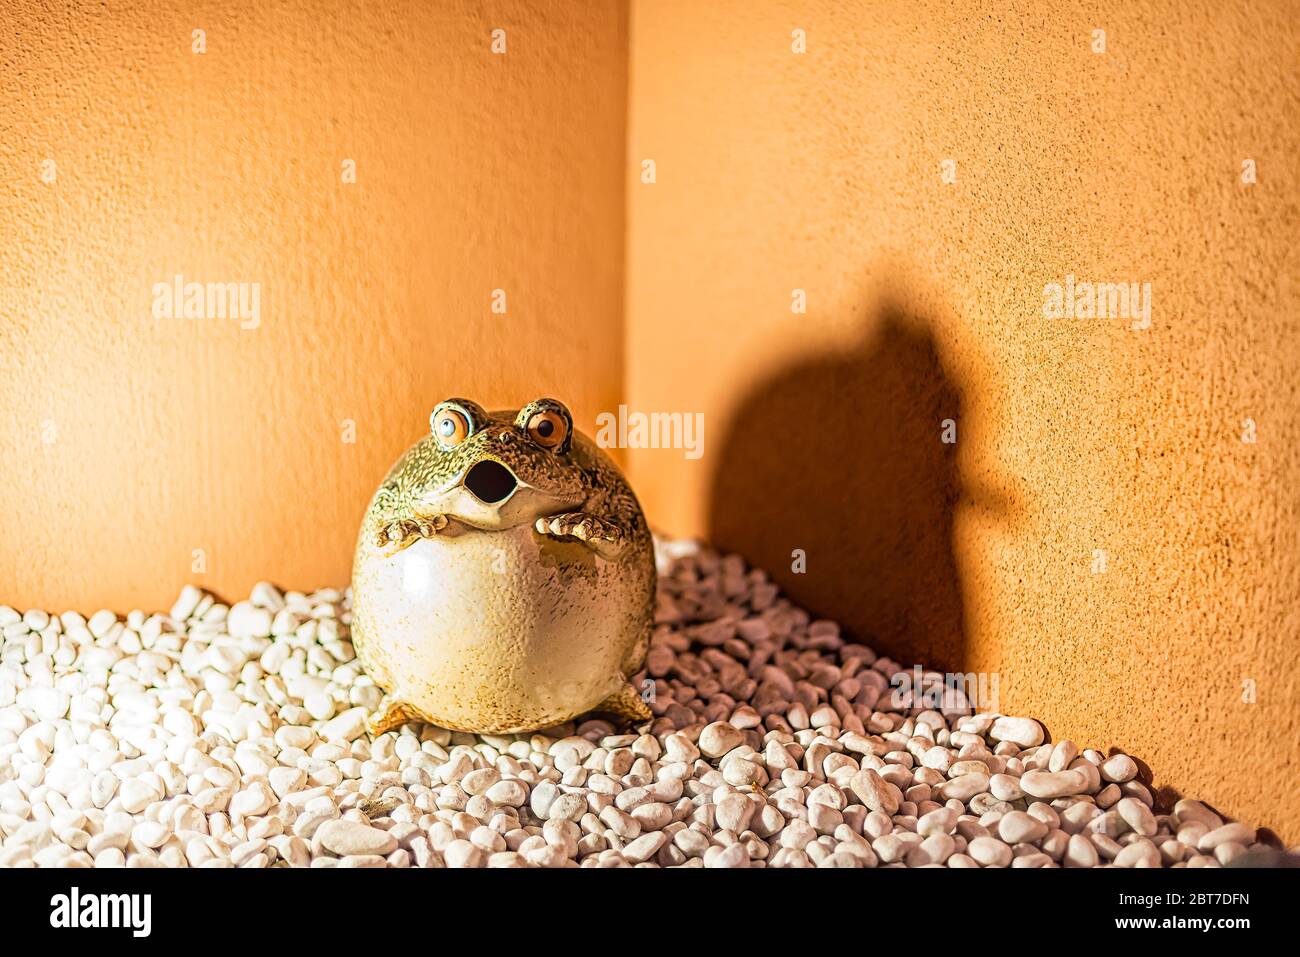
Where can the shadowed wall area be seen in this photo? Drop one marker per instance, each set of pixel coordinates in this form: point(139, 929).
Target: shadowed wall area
point(838, 460)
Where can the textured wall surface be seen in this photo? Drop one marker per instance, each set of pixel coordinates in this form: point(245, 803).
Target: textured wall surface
point(130, 441)
point(1100, 534)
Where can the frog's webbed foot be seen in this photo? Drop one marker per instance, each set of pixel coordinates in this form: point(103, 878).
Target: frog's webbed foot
point(391, 714)
point(604, 537)
point(399, 533)
point(627, 705)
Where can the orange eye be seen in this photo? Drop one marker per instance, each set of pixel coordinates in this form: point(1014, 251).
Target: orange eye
point(548, 429)
point(450, 426)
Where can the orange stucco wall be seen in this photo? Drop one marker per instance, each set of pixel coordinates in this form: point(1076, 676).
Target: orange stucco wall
point(130, 441)
point(1083, 445)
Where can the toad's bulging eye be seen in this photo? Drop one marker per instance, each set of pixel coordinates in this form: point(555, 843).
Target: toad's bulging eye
point(450, 426)
point(548, 429)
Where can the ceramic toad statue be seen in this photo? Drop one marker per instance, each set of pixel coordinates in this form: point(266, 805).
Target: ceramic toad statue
point(504, 576)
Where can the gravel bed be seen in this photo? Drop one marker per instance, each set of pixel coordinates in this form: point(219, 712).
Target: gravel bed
point(215, 736)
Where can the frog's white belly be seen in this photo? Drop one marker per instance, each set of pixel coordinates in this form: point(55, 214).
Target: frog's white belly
point(497, 631)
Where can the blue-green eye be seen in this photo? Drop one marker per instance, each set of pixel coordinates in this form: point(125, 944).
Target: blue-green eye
point(451, 426)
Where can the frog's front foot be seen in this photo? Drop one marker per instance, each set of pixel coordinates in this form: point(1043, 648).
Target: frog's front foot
point(626, 705)
point(605, 538)
point(391, 714)
point(399, 533)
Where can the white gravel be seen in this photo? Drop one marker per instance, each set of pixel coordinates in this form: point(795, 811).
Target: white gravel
point(217, 737)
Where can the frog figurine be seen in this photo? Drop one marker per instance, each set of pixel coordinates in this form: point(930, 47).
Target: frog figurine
point(504, 576)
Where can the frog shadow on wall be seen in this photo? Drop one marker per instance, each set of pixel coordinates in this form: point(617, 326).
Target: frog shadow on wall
point(867, 492)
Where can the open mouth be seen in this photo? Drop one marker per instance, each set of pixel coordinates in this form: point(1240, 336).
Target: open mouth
point(490, 482)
